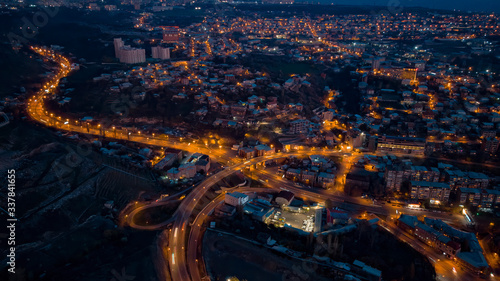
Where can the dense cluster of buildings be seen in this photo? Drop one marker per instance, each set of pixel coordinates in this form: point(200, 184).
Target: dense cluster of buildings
point(417, 114)
point(390, 176)
point(419, 117)
point(436, 107)
point(316, 170)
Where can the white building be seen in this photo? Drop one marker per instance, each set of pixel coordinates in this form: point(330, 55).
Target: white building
point(236, 199)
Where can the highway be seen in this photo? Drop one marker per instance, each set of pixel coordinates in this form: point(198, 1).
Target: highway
point(190, 272)
point(177, 241)
point(354, 204)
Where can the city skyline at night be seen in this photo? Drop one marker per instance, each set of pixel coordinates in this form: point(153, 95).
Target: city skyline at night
point(258, 141)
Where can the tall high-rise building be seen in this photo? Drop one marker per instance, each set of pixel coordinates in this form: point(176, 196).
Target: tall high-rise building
point(132, 55)
point(118, 42)
point(159, 52)
point(128, 54)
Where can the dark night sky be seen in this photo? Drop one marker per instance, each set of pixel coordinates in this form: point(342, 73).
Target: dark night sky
point(464, 5)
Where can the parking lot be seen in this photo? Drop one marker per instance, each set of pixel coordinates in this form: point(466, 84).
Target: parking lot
point(304, 220)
